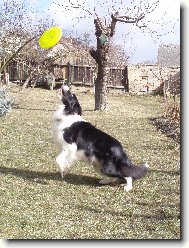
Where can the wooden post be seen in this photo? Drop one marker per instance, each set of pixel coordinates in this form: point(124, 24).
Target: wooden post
point(125, 79)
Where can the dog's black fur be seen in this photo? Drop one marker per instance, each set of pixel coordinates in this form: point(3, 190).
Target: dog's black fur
point(71, 103)
point(97, 146)
point(108, 150)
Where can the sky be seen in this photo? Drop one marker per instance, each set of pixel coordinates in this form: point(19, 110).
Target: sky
point(139, 45)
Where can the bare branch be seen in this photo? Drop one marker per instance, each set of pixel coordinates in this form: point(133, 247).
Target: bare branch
point(16, 52)
point(141, 26)
point(79, 6)
point(127, 19)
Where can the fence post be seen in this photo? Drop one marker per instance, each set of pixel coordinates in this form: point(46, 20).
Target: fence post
point(125, 79)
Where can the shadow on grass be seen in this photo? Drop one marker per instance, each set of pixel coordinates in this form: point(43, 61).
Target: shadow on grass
point(76, 179)
point(43, 109)
point(159, 214)
point(41, 177)
point(34, 109)
point(88, 110)
point(174, 173)
point(81, 180)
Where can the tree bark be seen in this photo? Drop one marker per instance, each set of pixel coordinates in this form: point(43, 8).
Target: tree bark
point(101, 83)
point(101, 57)
point(101, 98)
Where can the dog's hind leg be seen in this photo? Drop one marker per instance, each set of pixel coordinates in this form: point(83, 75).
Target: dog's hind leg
point(128, 186)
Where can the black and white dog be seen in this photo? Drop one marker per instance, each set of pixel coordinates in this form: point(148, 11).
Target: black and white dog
point(77, 139)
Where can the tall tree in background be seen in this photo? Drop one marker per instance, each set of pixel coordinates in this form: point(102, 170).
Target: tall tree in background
point(104, 33)
point(105, 23)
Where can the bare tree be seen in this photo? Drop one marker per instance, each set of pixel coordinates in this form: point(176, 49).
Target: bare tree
point(103, 34)
point(105, 28)
point(20, 29)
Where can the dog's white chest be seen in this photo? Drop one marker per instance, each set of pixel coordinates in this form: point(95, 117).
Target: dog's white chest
point(60, 122)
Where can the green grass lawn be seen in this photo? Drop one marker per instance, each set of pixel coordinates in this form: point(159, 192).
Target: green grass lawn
point(36, 203)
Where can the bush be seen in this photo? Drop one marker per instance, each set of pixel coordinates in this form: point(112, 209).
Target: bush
point(173, 112)
point(5, 103)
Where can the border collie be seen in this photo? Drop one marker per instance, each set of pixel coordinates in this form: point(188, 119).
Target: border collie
point(77, 139)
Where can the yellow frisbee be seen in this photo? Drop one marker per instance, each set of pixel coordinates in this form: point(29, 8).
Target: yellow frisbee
point(50, 37)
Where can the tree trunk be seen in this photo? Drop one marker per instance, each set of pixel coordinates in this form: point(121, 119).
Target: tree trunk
point(1, 80)
point(101, 83)
point(101, 57)
point(101, 98)
point(27, 81)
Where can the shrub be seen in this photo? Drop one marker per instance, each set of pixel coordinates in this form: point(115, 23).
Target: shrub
point(5, 103)
point(173, 112)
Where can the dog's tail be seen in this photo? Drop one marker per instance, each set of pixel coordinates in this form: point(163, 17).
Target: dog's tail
point(134, 171)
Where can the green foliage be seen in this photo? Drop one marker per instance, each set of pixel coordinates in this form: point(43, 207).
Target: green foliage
point(103, 39)
point(5, 103)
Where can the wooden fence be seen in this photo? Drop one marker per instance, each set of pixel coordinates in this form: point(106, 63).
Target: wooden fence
point(17, 71)
point(73, 74)
point(86, 75)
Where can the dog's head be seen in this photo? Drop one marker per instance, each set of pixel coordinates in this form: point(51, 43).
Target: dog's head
point(70, 101)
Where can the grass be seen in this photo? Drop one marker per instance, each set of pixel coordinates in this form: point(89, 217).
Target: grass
point(37, 204)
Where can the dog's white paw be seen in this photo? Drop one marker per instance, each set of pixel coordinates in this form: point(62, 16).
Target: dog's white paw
point(146, 165)
point(127, 188)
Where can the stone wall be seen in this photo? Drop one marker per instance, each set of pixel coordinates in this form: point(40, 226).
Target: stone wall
point(148, 78)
